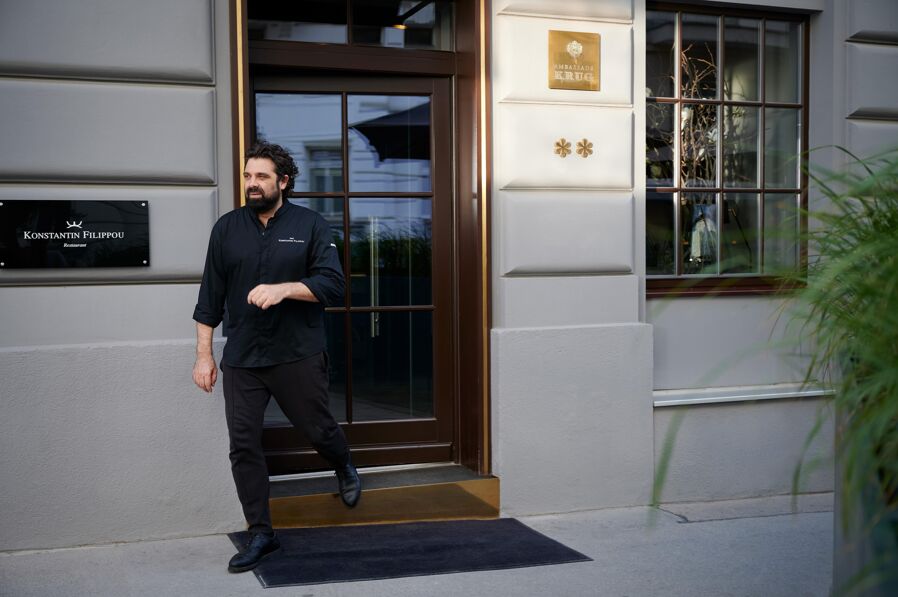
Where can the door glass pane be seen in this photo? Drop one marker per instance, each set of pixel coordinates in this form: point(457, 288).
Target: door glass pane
point(392, 366)
point(782, 59)
point(698, 77)
point(403, 24)
point(739, 250)
point(780, 233)
point(781, 138)
point(742, 42)
point(389, 143)
point(659, 234)
point(698, 145)
point(659, 144)
point(660, 29)
point(698, 234)
point(741, 139)
point(320, 21)
point(336, 350)
point(309, 127)
point(332, 210)
point(391, 251)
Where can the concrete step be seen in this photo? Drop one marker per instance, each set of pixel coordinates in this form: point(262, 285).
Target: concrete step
point(449, 492)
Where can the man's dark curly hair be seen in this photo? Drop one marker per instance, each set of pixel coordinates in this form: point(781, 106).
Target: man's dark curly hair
point(283, 162)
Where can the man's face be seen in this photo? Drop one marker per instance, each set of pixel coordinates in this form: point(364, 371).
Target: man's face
point(261, 186)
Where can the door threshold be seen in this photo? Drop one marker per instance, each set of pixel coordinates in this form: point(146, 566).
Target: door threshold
point(408, 493)
point(367, 469)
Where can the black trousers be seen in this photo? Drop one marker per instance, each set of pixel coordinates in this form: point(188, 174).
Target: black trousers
point(300, 389)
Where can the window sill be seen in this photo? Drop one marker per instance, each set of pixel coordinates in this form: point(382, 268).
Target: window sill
point(697, 396)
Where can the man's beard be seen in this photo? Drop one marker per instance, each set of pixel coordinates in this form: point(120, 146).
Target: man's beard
point(263, 203)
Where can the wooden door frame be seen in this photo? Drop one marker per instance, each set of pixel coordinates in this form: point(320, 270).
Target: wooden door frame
point(468, 67)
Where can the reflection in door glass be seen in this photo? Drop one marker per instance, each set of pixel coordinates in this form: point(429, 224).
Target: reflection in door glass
point(309, 127)
point(391, 251)
point(389, 143)
point(403, 23)
point(318, 21)
point(392, 365)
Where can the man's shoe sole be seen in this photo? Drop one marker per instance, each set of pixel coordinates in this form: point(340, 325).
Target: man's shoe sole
point(248, 567)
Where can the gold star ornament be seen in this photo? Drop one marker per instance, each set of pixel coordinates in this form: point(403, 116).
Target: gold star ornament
point(563, 147)
point(584, 148)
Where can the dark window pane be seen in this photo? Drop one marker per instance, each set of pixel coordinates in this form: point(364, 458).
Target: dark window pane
point(741, 66)
point(336, 350)
point(660, 29)
point(332, 210)
point(403, 24)
point(392, 366)
point(320, 21)
point(391, 251)
point(698, 145)
point(309, 127)
point(659, 144)
point(659, 234)
point(698, 234)
point(389, 143)
point(782, 133)
point(739, 230)
point(741, 139)
point(782, 59)
point(698, 60)
point(780, 233)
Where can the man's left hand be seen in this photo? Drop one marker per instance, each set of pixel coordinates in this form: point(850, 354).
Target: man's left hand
point(267, 295)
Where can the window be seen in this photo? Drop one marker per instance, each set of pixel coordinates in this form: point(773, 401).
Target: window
point(726, 114)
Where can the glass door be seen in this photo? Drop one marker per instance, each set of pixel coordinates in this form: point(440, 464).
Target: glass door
point(374, 159)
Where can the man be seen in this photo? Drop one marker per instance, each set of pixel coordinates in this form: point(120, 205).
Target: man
point(274, 267)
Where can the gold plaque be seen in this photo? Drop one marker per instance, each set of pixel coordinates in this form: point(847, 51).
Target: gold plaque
point(574, 60)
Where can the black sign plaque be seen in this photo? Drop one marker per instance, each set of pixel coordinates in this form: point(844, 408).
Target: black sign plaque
point(67, 234)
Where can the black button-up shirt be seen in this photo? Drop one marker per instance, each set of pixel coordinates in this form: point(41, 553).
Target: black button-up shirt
point(296, 246)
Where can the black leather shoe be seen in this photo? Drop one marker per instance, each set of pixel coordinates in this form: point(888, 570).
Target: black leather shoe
point(350, 484)
point(259, 547)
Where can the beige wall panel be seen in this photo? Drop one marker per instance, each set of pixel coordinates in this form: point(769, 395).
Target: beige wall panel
point(180, 219)
point(872, 81)
point(873, 20)
point(743, 449)
point(110, 442)
point(586, 9)
point(168, 40)
point(524, 150)
point(732, 341)
point(545, 301)
point(572, 417)
point(866, 138)
point(521, 50)
point(82, 314)
point(106, 132)
point(564, 232)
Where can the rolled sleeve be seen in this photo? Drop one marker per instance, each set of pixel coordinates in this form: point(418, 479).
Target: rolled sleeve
point(325, 279)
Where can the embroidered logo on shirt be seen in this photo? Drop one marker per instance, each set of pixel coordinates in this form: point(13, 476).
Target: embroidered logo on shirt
point(290, 240)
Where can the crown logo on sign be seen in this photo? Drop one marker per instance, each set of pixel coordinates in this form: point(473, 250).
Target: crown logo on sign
point(575, 49)
point(73, 225)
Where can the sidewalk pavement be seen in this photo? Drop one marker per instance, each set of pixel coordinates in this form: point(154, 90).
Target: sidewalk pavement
point(745, 548)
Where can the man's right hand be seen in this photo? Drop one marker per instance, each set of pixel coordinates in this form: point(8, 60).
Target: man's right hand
point(205, 372)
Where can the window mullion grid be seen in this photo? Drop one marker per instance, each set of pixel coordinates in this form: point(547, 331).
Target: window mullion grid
point(347, 252)
point(720, 132)
point(678, 126)
point(349, 40)
point(762, 141)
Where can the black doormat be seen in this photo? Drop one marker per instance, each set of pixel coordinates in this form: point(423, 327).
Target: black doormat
point(368, 552)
